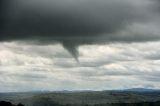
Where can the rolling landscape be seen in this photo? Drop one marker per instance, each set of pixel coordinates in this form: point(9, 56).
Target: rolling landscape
point(129, 97)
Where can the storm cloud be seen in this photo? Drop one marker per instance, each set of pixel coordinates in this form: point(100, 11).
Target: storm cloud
point(78, 22)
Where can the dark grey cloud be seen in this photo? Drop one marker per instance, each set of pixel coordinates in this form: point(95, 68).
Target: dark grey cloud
point(76, 22)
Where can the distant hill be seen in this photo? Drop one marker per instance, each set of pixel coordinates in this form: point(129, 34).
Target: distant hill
point(83, 98)
point(141, 90)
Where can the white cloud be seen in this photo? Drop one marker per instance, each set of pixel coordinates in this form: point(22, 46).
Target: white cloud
point(26, 67)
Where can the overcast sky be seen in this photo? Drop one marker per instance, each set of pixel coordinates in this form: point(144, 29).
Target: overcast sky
point(79, 44)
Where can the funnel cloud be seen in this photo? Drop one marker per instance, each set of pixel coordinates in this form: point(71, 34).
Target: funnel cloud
point(78, 22)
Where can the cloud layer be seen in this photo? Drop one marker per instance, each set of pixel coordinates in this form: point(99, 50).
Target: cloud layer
point(79, 22)
point(50, 67)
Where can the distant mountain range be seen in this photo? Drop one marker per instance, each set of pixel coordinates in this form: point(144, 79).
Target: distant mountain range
point(141, 90)
point(130, 90)
point(85, 97)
